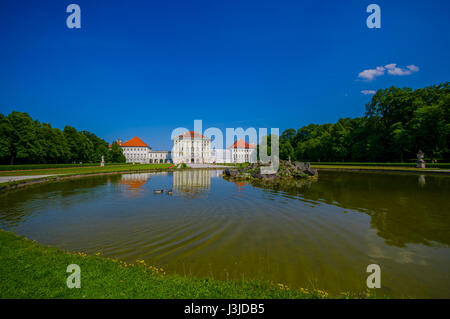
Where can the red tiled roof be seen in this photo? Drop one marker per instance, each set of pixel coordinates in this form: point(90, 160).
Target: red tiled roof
point(192, 134)
point(135, 142)
point(133, 184)
point(242, 144)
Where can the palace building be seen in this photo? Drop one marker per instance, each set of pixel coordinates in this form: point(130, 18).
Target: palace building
point(137, 151)
point(221, 156)
point(191, 147)
point(243, 152)
point(160, 157)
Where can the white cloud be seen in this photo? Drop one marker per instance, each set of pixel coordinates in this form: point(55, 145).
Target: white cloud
point(368, 92)
point(371, 74)
point(413, 68)
point(390, 66)
point(392, 69)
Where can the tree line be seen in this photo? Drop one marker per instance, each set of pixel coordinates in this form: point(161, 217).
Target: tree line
point(397, 123)
point(25, 141)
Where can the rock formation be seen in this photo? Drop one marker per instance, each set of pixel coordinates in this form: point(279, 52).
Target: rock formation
point(286, 170)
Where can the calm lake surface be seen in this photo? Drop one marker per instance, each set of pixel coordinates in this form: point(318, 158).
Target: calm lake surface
point(323, 234)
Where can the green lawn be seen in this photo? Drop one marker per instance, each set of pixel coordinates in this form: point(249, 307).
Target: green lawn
point(43, 166)
point(398, 165)
point(385, 167)
point(231, 164)
point(30, 270)
point(86, 170)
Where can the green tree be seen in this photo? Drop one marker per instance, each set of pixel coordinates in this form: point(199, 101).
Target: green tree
point(288, 135)
point(398, 122)
point(24, 146)
point(24, 140)
point(287, 151)
point(116, 154)
point(81, 149)
point(54, 145)
point(6, 133)
point(100, 147)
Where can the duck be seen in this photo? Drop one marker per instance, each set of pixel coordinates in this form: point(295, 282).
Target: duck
point(158, 191)
point(169, 192)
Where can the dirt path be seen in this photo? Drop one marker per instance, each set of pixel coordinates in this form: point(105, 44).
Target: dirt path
point(4, 179)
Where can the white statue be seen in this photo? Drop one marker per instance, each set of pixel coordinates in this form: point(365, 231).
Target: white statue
point(420, 162)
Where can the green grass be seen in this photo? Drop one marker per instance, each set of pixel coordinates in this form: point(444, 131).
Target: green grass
point(87, 170)
point(377, 168)
point(363, 164)
point(44, 166)
point(30, 270)
point(233, 164)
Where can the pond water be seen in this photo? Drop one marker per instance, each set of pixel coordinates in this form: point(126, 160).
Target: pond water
point(320, 234)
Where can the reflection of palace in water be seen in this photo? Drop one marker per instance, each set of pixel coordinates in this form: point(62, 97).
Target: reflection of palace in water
point(191, 183)
point(135, 181)
point(187, 183)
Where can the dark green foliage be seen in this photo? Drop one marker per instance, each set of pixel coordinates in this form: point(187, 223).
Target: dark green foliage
point(22, 138)
point(5, 137)
point(398, 122)
point(25, 141)
point(116, 154)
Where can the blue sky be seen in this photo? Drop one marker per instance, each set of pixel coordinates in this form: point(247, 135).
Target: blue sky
point(143, 68)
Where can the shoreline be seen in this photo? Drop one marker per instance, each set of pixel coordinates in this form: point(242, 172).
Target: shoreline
point(11, 185)
point(7, 186)
point(381, 169)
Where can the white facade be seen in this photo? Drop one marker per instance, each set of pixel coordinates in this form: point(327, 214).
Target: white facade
point(136, 151)
point(221, 156)
point(144, 155)
point(243, 155)
point(159, 157)
point(136, 154)
point(191, 147)
point(243, 152)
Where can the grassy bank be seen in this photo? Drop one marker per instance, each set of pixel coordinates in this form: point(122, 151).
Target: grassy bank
point(380, 168)
point(397, 165)
point(64, 173)
point(30, 270)
point(86, 170)
point(45, 166)
point(232, 164)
